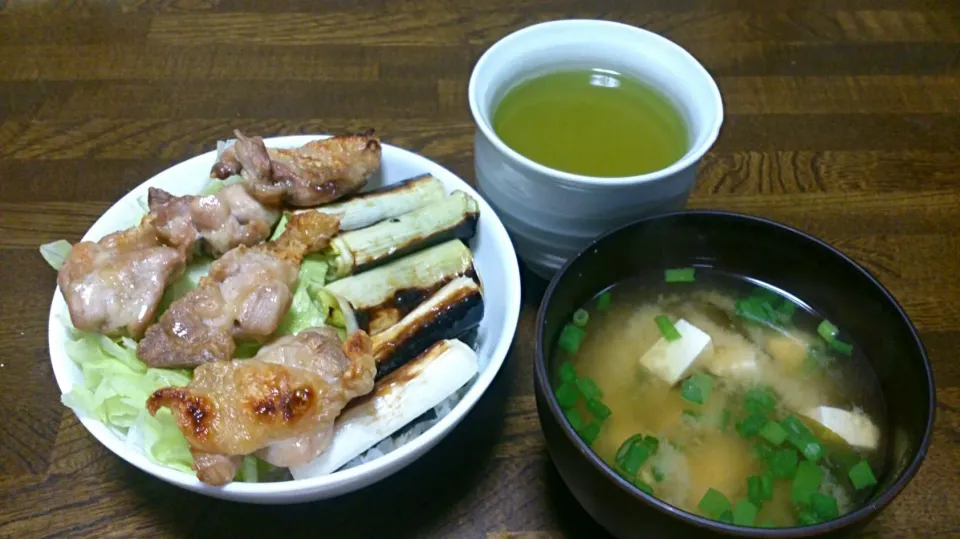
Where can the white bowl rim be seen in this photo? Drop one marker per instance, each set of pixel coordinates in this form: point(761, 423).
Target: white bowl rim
point(341, 480)
point(691, 157)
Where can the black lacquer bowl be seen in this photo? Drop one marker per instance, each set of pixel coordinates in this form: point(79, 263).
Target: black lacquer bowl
point(784, 257)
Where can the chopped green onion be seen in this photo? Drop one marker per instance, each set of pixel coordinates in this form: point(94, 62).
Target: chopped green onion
point(726, 517)
point(773, 433)
point(751, 425)
point(697, 388)
point(783, 463)
point(755, 491)
point(807, 480)
point(598, 409)
point(625, 446)
point(844, 348)
point(807, 518)
point(643, 485)
point(692, 415)
point(765, 294)
point(786, 311)
point(652, 443)
point(862, 476)
point(667, 328)
point(567, 372)
point(680, 275)
point(824, 506)
point(828, 331)
point(571, 338)
point(632, 454)
point(802, 438)
point(714, 503)
point(762, 451)
point(766, 485)
point(657, 475)
point(581, 317)
point(603, 301)
point(574, 418)
point(745, 513)
point(567, 395)
point(590, 432)
point(767, 524)
point(588, 388)
point(759, 400)
point(752, 309)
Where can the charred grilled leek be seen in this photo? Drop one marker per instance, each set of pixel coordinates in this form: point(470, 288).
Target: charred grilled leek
point(396, 400)
point(390, 201)
point(454, 217)
point(450, 312)
point(377, 299)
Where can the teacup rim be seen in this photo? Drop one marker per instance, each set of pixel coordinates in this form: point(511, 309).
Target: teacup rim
point(690, 158)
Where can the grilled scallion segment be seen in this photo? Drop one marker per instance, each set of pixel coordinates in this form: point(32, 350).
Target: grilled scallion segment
point(377, 299)
point(454, 217)
point(390, 201)
point(450, 312)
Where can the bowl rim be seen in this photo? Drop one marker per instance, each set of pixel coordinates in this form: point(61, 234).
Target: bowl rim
point(860, 514)
point(690, 158)
point(340, 482)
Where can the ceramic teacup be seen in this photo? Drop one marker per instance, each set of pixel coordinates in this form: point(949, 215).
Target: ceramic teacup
point(552, 214)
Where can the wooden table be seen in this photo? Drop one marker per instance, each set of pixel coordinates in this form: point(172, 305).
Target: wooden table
point(843, 119)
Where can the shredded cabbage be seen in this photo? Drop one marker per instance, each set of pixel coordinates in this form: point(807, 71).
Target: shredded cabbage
point(216, 185)
point(190, 280)
point(281, 226)
point(309, 307)
point(56, 252)
point(115, 389)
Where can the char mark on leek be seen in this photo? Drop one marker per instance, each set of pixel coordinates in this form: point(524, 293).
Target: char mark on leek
point(450, 312)
point(377, 299)
point(454, 217)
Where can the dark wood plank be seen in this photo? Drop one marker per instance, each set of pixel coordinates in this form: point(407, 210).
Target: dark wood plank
point(447, 26)
point(843, 119)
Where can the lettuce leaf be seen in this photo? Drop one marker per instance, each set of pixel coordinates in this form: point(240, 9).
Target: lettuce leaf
point(309, 308)
point(56, 252)
point(115, 389)
point(190, 280)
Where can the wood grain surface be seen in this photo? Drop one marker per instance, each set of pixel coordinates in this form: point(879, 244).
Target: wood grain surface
point(843, 119)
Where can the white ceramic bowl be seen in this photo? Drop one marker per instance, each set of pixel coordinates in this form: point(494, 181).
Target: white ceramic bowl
point(494, 260)
point(550, 214)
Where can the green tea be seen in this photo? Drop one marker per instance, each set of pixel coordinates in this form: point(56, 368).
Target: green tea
point(593, 122)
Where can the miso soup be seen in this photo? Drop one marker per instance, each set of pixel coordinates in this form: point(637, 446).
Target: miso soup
point(723, 397)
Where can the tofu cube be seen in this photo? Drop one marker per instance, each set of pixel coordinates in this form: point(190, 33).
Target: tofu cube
point(855, 428)
point(671, 360)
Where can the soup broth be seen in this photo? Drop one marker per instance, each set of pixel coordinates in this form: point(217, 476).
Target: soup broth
point(725, 398)
point(594, 122)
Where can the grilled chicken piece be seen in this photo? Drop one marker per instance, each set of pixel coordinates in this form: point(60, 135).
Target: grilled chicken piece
point(291, 391)
point(220, 222)
point(113, 286)
point(244, 297)
point(318, 172)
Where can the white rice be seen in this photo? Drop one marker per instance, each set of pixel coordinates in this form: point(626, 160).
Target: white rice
point(413, 429)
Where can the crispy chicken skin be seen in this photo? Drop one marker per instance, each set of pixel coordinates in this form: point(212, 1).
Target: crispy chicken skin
point(244, 297)
point(113, 286)
point(292, 390)
point(318, 172)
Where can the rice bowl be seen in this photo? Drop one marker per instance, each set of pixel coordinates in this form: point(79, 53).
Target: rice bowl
point(495, 261)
